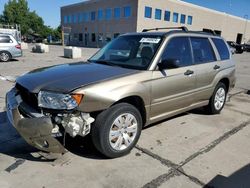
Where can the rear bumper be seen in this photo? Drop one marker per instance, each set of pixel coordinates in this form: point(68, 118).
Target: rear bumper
point(16, 54)
point(36, 130)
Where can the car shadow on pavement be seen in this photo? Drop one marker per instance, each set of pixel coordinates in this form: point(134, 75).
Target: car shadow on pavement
point(200, 111)
point(164, 120)
point(83, 147)
point(12, 144)
point(238, 179)
point(12, 60)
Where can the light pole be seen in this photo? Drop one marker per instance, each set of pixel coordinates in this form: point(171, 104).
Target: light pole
point(245, 30)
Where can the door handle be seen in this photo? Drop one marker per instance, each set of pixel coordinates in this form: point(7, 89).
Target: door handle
point(189, 73)
point(216, 67)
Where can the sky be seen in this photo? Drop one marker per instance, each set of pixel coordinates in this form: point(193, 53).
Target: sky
point(49, 10)
point(239, 8)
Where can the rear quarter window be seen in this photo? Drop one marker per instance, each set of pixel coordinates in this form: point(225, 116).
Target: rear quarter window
point(222, 48)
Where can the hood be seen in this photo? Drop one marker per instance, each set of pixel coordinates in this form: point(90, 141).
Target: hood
point(68, 77)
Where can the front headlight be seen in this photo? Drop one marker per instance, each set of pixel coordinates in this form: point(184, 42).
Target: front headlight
point(58, 101)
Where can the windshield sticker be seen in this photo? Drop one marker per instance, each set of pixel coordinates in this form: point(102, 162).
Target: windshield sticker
point(150, 40)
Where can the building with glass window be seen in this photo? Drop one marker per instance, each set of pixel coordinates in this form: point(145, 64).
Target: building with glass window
point(95, 22)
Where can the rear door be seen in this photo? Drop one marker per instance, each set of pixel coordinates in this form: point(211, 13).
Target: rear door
point(172, 87)
point(206, 67)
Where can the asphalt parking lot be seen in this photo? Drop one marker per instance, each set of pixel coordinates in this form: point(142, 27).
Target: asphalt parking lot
point(190, 150)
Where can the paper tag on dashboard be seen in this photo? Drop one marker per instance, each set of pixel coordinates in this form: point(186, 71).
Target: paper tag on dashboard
point(150, 40)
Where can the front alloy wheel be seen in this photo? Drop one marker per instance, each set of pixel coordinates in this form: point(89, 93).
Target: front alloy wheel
point(123, 131)
point(117, 130)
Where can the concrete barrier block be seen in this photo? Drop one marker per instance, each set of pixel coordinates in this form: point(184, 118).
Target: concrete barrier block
point(40, 48)
point(68, 52)
point(72, 52)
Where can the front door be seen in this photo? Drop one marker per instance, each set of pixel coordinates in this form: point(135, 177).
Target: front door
point(173, 85)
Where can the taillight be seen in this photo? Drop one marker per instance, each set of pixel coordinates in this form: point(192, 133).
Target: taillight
point(18, 47)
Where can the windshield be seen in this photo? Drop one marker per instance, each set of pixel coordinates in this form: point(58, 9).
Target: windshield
point(131, 51)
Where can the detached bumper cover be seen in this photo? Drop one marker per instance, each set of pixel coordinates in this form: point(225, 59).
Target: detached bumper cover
point(36, 131)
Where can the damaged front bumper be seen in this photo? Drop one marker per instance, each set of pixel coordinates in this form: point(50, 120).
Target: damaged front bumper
point(36, 129)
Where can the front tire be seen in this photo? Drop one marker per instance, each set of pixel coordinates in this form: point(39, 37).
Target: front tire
point(117, 130)
point(218, 99)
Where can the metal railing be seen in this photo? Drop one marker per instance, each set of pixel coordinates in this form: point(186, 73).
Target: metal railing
point(10, 26)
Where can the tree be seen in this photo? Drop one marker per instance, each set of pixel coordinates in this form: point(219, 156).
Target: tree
point(18, 12)
point(58, 32)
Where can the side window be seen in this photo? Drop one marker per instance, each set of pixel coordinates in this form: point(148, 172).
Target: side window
point(177, 53)
point(127, 12)
point(202, 50)
point(222, 48)
point(148, 12)
point(5, 39)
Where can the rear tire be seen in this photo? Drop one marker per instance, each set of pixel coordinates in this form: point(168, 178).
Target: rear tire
point(218, 99)
point(117, 130)
point(5, 56)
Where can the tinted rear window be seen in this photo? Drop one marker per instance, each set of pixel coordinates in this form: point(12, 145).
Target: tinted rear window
point(4, 39)
point(202, 50)
point(222, 48)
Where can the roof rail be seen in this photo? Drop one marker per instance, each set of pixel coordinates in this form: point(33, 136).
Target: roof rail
point(162, 28)
point(209, 31)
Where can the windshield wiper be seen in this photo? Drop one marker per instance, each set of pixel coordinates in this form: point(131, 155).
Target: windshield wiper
point(105, 62)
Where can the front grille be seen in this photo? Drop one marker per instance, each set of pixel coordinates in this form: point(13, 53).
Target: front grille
point(28, 97)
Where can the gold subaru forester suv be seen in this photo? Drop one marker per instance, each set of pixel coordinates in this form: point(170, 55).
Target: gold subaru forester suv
point(135, 80)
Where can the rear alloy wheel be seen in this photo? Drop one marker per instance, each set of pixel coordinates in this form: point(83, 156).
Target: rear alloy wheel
point(218, 99)
point(117, 130)
point(5, 56)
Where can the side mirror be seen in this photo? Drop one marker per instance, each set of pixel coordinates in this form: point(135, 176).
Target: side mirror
point(169, 64)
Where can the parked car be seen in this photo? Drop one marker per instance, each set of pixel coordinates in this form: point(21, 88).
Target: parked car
point(232, 50)
point(239, 47)
point(135, 80)
point(33, 39)
point(247, 47)
point(9, 48)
